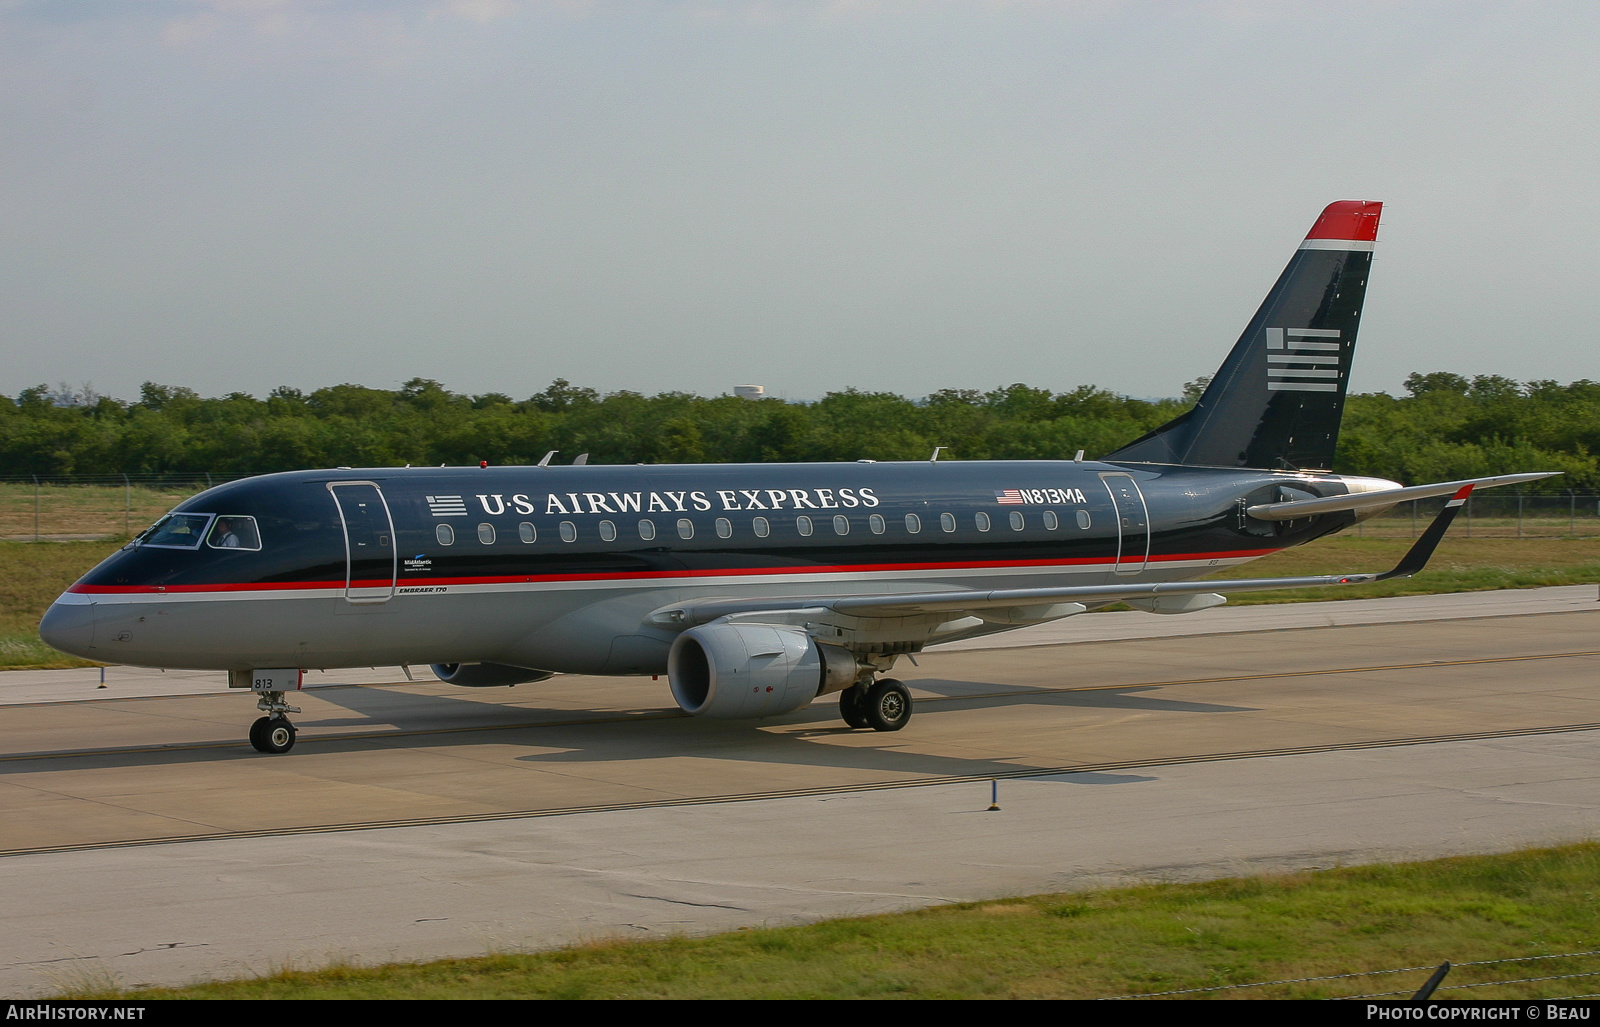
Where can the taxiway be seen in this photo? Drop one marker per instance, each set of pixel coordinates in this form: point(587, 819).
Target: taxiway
point(148, 843)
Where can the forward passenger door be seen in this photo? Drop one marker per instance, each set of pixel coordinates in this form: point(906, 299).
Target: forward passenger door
point(370, 560)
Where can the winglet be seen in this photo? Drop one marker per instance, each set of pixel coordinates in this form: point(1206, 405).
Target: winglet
point(1422, 550)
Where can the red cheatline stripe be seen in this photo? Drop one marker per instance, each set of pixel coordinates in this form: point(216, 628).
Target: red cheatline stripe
point(500, 579)
point(1354, 220)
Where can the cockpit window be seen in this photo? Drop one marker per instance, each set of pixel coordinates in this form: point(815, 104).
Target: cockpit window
point(234, 532)
point(176, 531)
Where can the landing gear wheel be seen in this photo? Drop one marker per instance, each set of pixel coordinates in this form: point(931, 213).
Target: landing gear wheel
point(852, 704)
point(272, 734)
point(888, 705)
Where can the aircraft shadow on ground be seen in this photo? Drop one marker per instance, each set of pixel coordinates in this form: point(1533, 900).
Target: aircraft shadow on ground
point(410, 711)
point(747, 742)
point(806, 738)
point(988, 695)
point(1092, 777)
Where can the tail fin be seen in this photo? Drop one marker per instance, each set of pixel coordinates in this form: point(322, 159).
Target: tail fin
point(1276, 401)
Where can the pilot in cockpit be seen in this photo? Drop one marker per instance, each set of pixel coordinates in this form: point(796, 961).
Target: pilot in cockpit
point(226, 534)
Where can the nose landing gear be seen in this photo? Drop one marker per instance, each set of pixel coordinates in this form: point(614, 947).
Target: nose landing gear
point(273, 733)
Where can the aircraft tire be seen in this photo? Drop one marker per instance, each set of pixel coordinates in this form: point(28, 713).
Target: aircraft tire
point(272, 735)
point(851, 703)
point(888, 705)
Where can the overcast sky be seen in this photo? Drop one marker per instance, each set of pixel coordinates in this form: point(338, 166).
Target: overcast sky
point(237, 194)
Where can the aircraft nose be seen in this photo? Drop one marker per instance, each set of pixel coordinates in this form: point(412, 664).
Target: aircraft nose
point(69, 627)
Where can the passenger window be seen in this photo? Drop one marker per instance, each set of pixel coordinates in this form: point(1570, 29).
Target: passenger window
point(486, 534)
point(1016, 520)
point(913, 523)
point(1050, 520)
point(445, 534)
point(841, 524)
point(527, 532)
point(947, 521)
point(1083, 519)
point(877, 523)
point(647, 530)
point(608, 531)
point(234, 532)
point(762, 526)
point(803, 524)
point(685, 528)
point(569, 531)
point(981, 519)
point(724, 528)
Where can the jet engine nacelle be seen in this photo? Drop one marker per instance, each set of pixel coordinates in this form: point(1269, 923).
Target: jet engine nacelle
point(734, 671)
point(487, 675)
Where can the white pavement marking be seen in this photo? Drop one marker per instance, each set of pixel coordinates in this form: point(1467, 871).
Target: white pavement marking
point(31, 686)
point(176, 913)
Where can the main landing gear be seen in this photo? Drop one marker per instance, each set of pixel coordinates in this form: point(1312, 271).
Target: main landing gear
point(884, 705)
point(273, 733)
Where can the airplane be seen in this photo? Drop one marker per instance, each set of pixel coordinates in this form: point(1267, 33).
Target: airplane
point(758, 588)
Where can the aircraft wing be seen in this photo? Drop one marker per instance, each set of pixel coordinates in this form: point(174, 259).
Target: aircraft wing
point(1299, 508)
point(703, 611)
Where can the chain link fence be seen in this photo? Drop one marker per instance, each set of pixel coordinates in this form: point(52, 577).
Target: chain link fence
point(1496, 513)
point(55, 509)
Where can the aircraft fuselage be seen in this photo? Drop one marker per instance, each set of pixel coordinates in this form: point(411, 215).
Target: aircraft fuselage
point(559, 568)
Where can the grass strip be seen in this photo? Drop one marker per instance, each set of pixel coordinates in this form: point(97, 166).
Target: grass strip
point(1125, 941)
point(32, 574)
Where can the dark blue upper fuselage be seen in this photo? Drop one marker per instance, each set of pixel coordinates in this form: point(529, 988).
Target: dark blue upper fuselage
point(593, 520)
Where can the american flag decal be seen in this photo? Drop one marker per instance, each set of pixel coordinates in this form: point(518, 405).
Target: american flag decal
point(1037, 497)
point(1303, 359)
point(447, 506)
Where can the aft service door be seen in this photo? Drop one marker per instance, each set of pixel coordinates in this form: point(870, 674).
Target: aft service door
point(369, 547)
point(1133, 522)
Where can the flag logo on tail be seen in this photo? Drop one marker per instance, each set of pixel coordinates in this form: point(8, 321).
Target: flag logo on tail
point(1303, 359)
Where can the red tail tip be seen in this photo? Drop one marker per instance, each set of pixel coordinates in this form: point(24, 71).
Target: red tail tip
point(1353, 220)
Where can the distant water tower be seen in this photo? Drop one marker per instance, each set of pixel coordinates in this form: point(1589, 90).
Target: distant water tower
point(750, 391)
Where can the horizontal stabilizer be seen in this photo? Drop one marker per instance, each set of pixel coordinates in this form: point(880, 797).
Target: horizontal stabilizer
point(1293, 511)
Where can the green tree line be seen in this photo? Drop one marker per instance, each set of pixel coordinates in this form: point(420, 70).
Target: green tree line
point(1447, 426)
